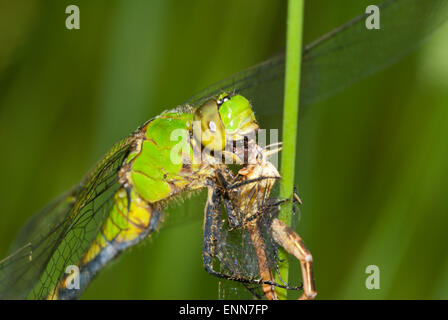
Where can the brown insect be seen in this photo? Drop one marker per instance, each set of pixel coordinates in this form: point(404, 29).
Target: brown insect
point(249, 208)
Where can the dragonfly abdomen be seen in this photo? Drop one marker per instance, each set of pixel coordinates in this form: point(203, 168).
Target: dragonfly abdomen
point(125, 226)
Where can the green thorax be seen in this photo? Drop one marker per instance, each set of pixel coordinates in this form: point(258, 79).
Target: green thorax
point(151, 172)
point(164, 160)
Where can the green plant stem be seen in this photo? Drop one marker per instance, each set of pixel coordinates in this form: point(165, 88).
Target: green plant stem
point(290, 119)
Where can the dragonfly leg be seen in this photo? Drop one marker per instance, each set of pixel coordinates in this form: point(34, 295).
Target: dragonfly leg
point(231, 213)
point(293, 244)
point(295, 197)
point(249, 181)
point(211, 225)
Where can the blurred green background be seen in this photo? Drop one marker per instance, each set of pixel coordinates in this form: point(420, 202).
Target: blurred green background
point(372, 165)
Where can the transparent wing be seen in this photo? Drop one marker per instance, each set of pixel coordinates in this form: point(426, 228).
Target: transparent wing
point(339, 58)
point(236, 255)
point(58, 235)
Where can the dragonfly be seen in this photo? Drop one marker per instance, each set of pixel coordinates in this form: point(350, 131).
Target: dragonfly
point(120, 201)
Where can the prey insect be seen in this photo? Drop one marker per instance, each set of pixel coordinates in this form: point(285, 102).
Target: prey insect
point(249, 208)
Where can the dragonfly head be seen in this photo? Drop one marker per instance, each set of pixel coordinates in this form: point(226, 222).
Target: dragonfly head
point(227, 118)
point(237, 116)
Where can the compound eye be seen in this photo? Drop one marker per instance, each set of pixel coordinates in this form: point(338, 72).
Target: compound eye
point(212, 132)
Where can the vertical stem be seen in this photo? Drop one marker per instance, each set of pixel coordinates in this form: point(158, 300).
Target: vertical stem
point(290, 119)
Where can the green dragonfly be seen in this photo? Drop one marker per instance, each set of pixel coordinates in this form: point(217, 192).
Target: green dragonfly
point(121, 201)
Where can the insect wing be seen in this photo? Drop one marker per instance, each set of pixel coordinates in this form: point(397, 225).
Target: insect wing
point(339, 58)
point(57, 236)
point(237, 256)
